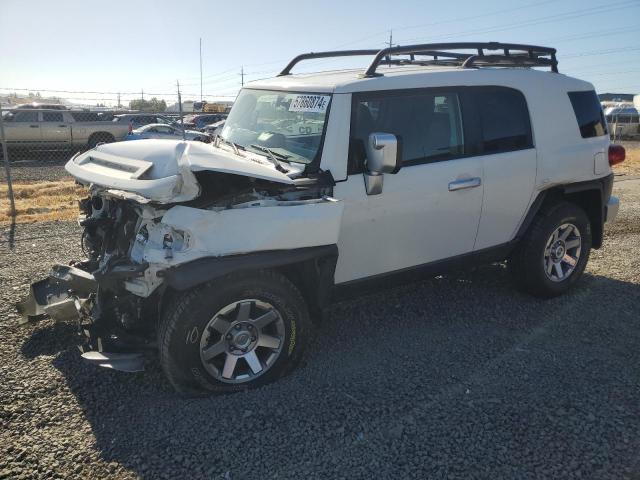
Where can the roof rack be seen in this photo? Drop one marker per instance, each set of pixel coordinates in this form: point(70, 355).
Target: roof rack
point(512, 55)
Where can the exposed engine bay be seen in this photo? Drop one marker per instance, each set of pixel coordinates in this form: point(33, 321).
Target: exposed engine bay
point(132, 243)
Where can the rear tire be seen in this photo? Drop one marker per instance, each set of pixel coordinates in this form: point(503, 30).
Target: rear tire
point(241, 331)
point(554, 252)
point(100, 137)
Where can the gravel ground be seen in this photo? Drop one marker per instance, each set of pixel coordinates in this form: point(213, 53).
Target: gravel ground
point(455, 377)
point(36, 170)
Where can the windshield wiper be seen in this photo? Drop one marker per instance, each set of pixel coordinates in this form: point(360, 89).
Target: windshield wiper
point(235, 146)
point(273, 156)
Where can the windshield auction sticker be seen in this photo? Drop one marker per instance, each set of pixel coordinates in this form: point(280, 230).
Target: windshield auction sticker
point(309, 103)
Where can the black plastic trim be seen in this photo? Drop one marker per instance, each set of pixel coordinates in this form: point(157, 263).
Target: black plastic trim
point(353, 288)
point(196, 272)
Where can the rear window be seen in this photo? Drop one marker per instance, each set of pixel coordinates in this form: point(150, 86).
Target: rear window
point(85, 116)
point(589, 114)
point(504, 119)
point(51, 117)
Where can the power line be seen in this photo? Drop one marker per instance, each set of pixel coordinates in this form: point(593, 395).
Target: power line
point(538, 21)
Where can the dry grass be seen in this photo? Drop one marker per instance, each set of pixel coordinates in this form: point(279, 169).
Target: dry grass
point(42, 201)
point(631, 164)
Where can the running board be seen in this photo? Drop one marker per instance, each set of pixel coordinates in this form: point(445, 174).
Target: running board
point(124, 362)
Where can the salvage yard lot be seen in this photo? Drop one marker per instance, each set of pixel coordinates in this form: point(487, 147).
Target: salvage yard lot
point(458, 376)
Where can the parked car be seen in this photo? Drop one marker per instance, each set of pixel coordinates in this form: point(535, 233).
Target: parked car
point(214, 129)
point(322, 186)
point(39, 106)
point(136, 120)
point(58, 128)
point(201, 121)
point(161, 130)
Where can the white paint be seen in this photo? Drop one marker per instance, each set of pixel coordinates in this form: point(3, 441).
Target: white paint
point(271, 226)
point(415, 220)
point(162, 170)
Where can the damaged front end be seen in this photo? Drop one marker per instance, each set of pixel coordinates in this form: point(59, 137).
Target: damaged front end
point(157, 207)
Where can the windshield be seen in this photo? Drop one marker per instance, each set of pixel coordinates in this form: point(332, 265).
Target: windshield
point(290, 125)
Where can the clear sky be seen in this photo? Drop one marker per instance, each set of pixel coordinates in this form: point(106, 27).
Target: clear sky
point(126, 46)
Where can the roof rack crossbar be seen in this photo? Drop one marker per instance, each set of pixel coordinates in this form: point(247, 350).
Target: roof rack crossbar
point(442, 54)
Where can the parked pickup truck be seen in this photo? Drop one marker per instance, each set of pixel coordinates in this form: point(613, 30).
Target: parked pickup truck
point(58, 128)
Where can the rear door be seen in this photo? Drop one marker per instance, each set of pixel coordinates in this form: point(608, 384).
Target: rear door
point(508, 160)
point(430, 209)
point(54, 128)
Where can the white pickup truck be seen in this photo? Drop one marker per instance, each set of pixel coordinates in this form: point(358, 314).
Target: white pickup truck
point(58, 129)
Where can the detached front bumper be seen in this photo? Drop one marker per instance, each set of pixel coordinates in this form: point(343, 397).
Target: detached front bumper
point(62, 296)
point(69, 294)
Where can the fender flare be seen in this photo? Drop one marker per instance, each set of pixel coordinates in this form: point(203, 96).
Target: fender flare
point(603, 186)
point(196, 272)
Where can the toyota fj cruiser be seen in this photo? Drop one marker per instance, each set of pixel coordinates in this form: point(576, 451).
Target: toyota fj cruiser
point(435, 156)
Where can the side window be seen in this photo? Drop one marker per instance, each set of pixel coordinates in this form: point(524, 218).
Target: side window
point(589, 114)
point(429, 124)
point(504, 120)
point(25, 116)
point(51, 117)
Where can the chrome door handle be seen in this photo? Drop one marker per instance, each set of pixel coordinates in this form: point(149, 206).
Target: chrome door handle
point(464, 183)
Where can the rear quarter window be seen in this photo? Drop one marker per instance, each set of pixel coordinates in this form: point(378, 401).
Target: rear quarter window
point(504, 119)
point(589, 116)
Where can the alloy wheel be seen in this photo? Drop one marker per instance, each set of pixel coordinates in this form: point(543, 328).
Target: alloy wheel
point(562, 252)
point(242, 341)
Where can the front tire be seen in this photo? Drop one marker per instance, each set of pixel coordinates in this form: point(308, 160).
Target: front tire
point(554, 252)
point(242, 331)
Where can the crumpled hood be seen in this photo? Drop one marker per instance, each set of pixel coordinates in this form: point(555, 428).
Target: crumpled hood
point(162, 170)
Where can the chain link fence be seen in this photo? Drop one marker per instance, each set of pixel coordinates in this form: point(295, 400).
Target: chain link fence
point(42, 129)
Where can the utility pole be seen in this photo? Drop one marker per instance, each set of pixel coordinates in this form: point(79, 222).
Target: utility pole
point(390, 43)
point(142, 94)
point(242, 76)
point(184, 134)
point(118, 99)
point(201, 69)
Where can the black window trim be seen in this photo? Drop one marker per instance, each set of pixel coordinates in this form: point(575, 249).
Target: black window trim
point(471, 120)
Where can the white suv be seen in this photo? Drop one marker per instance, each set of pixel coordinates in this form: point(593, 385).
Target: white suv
point(320, 184)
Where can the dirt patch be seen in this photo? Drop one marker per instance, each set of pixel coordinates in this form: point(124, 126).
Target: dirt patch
point(42, 201)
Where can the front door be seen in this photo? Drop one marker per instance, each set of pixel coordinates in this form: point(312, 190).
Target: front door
point(21, 127)
point(430, 209)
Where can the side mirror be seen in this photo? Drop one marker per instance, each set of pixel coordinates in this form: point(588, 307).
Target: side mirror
point(384, 155)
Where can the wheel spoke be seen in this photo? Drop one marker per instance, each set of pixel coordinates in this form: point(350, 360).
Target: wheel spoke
point(555, 237)
point(566, 233)
point(573, 243)
point(549, 266)
point(229, 366)
point(214, 350)
point(569, 259)
point(243, 311)
point(220, 325)
point(264, 320)
point(253, 361)
point(558, 269)
point(268, 341)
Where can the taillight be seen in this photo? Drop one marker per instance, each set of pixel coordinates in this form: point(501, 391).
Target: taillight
point(616, 154)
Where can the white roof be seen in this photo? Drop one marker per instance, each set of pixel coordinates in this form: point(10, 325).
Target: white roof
point(411, 76)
